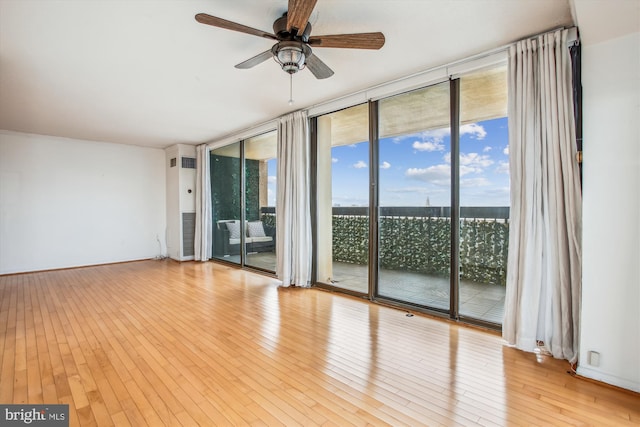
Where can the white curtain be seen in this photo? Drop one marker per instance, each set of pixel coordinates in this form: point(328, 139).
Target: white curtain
point(293, 215)
point(544, 265)
point(204, 227)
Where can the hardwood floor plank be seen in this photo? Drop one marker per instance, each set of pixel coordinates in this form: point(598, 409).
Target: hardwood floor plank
point(120, 419)
point(132, 412)
point(7, 371)
point(99, 409)
point(166, 343)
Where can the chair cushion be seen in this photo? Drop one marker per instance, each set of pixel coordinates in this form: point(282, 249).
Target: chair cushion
point(261, 239)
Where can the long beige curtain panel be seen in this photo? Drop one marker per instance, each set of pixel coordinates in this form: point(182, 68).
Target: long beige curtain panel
point(293, 215)
point(544, 268)
point(203, 240)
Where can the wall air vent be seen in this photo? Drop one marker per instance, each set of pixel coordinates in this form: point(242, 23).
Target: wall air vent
point(188, 233)
point(172, 163)
point(188, 163)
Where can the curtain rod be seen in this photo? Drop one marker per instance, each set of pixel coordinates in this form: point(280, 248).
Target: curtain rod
point(572, 37)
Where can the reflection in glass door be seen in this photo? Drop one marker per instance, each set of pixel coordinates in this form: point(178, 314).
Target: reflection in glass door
point(226, 197)
point(342, 192)
point(414, 197)
point(260, 195)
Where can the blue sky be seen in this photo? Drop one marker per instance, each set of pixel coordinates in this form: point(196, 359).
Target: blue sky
point(415, 169)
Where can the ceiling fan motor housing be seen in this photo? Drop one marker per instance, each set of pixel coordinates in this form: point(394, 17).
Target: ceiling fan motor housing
point(282, 33)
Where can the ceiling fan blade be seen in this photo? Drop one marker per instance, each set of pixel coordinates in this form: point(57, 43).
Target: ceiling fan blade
point(203, 18)
point(318, 68)
point(258, 59)
point(298, 14)
point(349, 41)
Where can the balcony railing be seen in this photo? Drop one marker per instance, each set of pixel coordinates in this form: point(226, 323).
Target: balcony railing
point(418, 239)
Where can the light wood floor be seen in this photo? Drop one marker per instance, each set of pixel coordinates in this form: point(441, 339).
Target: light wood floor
point(158, 342)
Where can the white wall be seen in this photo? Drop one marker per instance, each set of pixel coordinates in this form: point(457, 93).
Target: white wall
point(610, 321)
point(67, 203)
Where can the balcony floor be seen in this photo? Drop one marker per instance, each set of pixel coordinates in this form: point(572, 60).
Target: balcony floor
point(477, 300)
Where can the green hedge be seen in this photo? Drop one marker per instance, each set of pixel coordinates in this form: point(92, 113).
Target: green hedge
point(351, 239)
point(421, 245)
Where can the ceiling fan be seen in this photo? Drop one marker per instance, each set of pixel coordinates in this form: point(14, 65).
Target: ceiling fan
point(293, 47)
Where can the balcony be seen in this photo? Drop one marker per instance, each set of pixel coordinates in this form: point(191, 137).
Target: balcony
point(414, 255)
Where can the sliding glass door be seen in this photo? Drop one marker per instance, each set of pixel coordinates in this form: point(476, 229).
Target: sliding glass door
point(414, 197)
point(260, 200)
point(243, 189)
point(342, 195)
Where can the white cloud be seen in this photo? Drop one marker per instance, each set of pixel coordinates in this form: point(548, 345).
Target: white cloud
point(486, 149)
point(271, 179)
point(436, 134)
point(360, 164)
point(466, 170)
point(385, 165)
point(506, 150)
point(474, 182)
point(503, 167)
point(428, 146)
point(437, 174)
point(475, 130)
point(353, 146)
point(473, 161)
point(440, 174)
point(432, 140)
point(334, 160)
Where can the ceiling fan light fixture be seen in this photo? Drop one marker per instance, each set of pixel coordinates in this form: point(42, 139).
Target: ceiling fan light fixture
point(291, 59)
point(290, 55)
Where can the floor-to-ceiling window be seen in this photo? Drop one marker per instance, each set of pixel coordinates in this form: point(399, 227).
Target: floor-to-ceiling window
point(484, 194)
point(342, 198)
point(433, 165)
point(414, 197)
point(243, 193)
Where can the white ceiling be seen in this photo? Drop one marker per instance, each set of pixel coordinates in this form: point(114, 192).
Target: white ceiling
point(146, 73)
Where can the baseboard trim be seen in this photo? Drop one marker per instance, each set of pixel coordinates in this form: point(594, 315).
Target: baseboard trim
point(75, 267)
point(600, 377)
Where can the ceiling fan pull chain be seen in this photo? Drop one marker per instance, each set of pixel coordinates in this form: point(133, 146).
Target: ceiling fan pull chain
point(290, 89)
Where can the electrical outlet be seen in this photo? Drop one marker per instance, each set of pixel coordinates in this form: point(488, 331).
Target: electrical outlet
point(594, 358)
